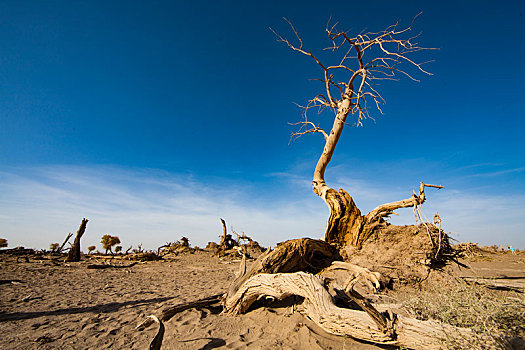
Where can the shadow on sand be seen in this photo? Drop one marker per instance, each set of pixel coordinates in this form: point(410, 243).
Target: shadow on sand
point(96, 309)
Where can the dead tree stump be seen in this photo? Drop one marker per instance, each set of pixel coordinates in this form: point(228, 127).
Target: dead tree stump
point(74, 252)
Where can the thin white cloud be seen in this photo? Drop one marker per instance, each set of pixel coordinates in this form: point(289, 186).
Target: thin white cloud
point(499, 173)
point(140, 207)
point(39, 206)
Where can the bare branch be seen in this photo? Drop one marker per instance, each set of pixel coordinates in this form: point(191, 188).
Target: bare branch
point(349, 82)
point(414, 201)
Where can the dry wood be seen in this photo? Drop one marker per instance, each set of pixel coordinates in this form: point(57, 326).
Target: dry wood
point(347, 225)
point(385, 322)
point(388, 208)
point(169, 312)
point(342, 275)
point(227, 242)
point(17, 251)
point(74, 252)
point(303, 254)
point(320, 308)
point(69, 235)
point(224, 234)
point(11, 281)
point(156, 343)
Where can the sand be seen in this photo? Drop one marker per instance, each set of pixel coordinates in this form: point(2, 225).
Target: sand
point(68, 306)
point(47, 305)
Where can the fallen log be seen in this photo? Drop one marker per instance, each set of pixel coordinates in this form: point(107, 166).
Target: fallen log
point(109, 266)
point(17, 251)
point(318, 305)
point(11, 281)
point(171, 311)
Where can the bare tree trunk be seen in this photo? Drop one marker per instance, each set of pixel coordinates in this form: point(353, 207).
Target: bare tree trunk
point(227, 241)
point(345, 221)
point(224, 233)
point(74, 252)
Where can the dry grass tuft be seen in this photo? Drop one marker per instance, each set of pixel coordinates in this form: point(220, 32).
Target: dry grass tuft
point(496, 317)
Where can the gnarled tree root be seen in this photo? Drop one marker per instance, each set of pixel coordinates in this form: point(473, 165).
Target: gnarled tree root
point(318, 305)
point(304, 254)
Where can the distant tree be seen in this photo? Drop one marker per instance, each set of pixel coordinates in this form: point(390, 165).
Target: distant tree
point(118, 249)
point(53, 247)
point(109, 241)
point(91, 248)
point(3, 242)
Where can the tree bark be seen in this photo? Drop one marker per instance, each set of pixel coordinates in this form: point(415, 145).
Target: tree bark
point(224, 233)
point(345, 221)
point(74, 252)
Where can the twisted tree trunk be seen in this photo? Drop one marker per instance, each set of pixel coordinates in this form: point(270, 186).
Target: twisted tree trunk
point(347, 226)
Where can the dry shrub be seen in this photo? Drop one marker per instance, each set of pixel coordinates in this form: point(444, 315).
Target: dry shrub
point(496, 317)
point(176, 248)
point(212, 247)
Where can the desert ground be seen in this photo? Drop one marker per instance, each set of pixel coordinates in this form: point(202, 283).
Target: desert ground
point(46, 304)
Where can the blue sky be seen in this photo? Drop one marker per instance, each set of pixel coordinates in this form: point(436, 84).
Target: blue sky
point(154, 119)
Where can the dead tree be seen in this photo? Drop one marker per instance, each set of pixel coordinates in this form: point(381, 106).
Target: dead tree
point(312, 269)
point(69, 235)
point(74, 252)
point(227, 242)
point(350, 92)
point(184, 242)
